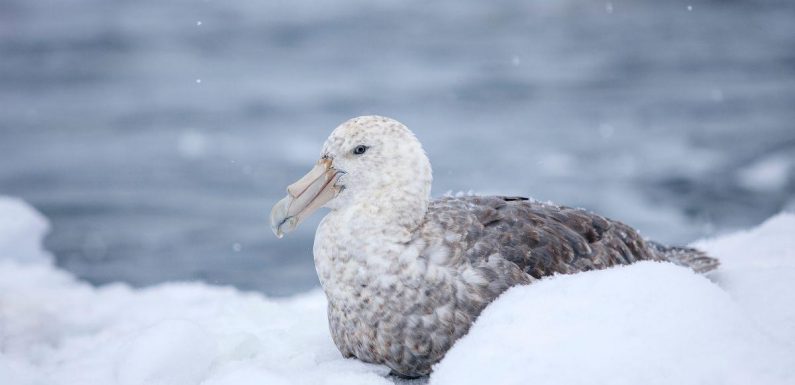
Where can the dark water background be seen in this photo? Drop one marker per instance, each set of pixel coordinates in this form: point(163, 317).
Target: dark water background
point(156, 134)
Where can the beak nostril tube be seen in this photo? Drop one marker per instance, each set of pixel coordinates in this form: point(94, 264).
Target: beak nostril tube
point(305, 196)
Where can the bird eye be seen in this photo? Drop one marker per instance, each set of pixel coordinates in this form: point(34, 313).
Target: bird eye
point(359, 150)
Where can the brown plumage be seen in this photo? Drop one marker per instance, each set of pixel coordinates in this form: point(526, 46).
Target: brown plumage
point(544, 239)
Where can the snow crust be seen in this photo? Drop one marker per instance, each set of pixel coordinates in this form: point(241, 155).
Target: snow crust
point(648, 323)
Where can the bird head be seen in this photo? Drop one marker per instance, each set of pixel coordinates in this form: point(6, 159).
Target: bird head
point(369, 161)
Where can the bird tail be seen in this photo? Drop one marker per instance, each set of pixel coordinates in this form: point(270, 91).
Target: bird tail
point(695, 259)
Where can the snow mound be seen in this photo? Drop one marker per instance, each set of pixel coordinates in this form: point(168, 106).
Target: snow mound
point(55, 329)
point(21, 231)
point(646, 323)
point(758, 272)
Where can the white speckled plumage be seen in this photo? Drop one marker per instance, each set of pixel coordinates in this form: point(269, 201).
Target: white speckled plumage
point(406, 276)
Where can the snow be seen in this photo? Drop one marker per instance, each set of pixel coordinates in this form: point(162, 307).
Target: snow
point(56, 329)
point(646, 323)
point(21, 229)
point(758, 272)
point(649, 323)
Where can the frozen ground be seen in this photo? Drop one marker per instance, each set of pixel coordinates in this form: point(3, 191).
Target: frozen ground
point(644, 324)
point(673, 116)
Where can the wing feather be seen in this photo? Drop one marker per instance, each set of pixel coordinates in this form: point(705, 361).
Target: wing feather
point(540, 238)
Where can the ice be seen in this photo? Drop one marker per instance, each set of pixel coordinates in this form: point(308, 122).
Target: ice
point(768, 174)
point(646, 323)
point(192, 144)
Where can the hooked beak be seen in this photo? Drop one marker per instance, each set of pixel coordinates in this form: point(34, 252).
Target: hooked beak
point(305, 196)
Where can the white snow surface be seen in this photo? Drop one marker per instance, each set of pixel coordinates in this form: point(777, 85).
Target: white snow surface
point(649, 323)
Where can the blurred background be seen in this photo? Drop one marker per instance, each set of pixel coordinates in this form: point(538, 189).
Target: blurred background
point(157, 134)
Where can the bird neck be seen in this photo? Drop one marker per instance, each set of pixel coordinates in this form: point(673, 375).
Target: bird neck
point(390, 215)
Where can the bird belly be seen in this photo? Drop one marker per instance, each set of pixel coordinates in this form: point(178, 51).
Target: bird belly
point(404, 320)
point(401, 309)
point(375, 329)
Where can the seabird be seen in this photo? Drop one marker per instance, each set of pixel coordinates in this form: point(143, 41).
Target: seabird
point(405, 275)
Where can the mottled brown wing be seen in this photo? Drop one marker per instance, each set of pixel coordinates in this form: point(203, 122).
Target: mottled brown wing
point(544, 239)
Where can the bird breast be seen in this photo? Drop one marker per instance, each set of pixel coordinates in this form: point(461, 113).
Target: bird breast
point(403, 306)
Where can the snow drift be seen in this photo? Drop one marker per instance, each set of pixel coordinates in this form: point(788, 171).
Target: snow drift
point(646, 323)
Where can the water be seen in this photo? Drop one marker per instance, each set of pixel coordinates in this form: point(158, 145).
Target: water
point(156, 135)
